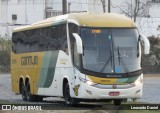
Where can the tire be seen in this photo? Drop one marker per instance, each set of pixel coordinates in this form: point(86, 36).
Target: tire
point(68, 99)
point(30, 97)
point(23, 91)
point(117, 102)
point(38, 98)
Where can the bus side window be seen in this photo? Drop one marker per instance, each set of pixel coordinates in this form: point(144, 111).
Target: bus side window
point(75, 56)
point(14, 42)
point(19, 42)
point(58, 38)
point(63, 38)
point(41, 39)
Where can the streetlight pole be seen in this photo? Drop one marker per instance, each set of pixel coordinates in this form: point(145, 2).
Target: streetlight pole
point(69, 4)
point(64, 6)
point(109, 6)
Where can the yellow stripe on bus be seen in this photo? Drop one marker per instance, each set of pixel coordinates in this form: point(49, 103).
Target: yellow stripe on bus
point(104, 80)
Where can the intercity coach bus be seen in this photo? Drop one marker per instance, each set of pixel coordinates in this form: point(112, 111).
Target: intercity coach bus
point(79, 57)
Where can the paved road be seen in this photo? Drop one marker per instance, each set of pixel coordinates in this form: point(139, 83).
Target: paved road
point(151, 91)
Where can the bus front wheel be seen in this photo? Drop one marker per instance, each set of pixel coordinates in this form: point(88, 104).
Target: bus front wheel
point(68, 99)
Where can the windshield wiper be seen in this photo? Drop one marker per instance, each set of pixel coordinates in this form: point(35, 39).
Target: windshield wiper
point(107, 62)
point(111, 57)
point(121, 61)
point(119, 56)
point(138, 46)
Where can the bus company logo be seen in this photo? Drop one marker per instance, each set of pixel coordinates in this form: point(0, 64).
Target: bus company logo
point(114, 86)
point(6, 107)
point(29, 60)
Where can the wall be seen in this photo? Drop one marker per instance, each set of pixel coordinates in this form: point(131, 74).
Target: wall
point(148, 26)
point(27, 12)
point(34, 10)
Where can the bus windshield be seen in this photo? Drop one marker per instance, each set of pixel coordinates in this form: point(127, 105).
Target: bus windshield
point(110, 50)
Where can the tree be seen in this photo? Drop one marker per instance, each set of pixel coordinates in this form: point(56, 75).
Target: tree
point(5, 48)
point(103, 5)
point(134, 9)
point(151, 62)
point(103, 2)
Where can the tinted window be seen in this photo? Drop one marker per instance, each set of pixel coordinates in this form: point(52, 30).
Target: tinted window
point(75, 56)
point(42, 39)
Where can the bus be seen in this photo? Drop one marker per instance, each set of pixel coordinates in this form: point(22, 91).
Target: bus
point(79, 57)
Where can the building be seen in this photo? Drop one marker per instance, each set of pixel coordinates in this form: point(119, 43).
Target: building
point(18, 13)
point(14, 13)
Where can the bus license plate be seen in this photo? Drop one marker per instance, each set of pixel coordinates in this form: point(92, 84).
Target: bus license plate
point(114, 93)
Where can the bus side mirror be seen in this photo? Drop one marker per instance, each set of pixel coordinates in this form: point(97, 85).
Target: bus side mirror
point(145, 43)
point(78, 43)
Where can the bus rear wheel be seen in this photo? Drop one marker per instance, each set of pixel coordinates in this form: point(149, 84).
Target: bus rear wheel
point(68, 99)
point(117, 102)
point(23, 91)
point(30, 97)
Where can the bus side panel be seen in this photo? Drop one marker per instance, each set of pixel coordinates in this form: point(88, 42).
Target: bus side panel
point(14, 81)
point(26, 66)
point(14, 72)
point(58, 65)
point(32, 75)
point(47, 74)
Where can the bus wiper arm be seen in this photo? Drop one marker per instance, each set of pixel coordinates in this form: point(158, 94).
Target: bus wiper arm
point(109, 59)
point(121, 61)
point(119, 56)
point(138, 46)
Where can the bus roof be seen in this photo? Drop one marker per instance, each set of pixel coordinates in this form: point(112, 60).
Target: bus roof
point(84, 19)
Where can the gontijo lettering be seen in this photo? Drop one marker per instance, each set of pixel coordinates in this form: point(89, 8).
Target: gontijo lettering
point(29, 60)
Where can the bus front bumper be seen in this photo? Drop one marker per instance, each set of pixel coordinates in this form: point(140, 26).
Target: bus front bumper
point(90, 92)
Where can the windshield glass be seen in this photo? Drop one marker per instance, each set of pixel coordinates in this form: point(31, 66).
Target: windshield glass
point(110, 50)
point(125, 54)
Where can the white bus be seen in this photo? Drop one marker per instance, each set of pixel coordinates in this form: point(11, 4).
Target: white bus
point(79, 57)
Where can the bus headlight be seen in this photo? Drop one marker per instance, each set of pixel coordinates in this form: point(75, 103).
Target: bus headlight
point(90, 83)
point(87, 81)
point(137, 82)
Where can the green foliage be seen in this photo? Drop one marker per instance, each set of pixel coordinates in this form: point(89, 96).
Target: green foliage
point(151, 62)
point(5, 50)
point(154, 41)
